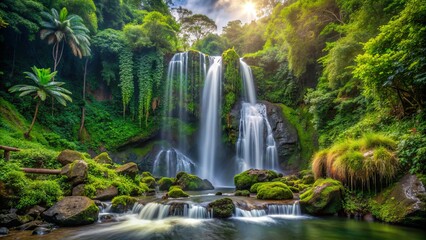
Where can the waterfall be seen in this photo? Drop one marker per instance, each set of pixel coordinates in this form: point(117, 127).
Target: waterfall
point(256, 146)
point(272, 209)
point(171, 161)
point(210, 121)
point(156, 211)
point(179, 93)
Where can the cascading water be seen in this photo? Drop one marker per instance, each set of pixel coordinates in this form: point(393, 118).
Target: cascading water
point(210, 121)
point(157, 211)
point(173, 157)
point(273, 209)
point(256, 147)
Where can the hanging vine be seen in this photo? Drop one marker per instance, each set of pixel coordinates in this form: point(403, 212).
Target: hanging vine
point(126, 76)
point(149, 72)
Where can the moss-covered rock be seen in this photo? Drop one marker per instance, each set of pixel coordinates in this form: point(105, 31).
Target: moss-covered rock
point(122, 204)
point(274, 191)
point(103, 158)
point(72, 211)
point(165, 183)
point(222, 208)
point(246, 179)
point(308, 179)
point(130, 169)
point(149, 181)
point(68, 156)
point(244, 193)
point(176, 192)
point(189, 182)
point(323, 198)
point(402, 203)
point(76, 172)
point(146, 174)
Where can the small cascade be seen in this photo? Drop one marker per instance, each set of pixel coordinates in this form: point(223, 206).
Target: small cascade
point(171, 161)
point(210, 121)
point(256, 146)
point(156, 211)
point(272, 209)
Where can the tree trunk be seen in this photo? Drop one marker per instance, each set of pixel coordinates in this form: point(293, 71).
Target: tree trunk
point(27, 134)
point(83, 108)
point(42, 171)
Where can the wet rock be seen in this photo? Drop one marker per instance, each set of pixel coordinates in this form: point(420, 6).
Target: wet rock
point(10, 220)
point(323, 198)
point(36, 211)
point(285, 134)
point(165, 183)
point(31, 225)
point(246, 179)
point(190, 182)
point(108, 217)
point(41, 231)
point(72, 211)
point(4, 231)
point(218, 194)
point(222, 208)
point(402, 203)
point(103, 158)
point(76, 172)
point(176, 192)
point(122, 204)
point(69, 156)
point(78, 190)
point(244, 193)
point(106, 194)
point(129, 169)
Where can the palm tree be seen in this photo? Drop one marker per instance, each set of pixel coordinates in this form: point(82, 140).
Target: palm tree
point(61, 28)
point(44, 87)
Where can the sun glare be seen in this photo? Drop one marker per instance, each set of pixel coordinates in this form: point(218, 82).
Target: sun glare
point(250, 8)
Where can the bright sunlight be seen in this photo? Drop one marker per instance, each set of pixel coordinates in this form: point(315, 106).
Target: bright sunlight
point(250, 8)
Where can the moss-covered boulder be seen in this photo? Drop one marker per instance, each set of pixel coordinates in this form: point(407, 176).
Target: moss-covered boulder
point(190, 182)
point(273, 191)
point(68, 156)
point(103, 158)
point(176, 192)
point(149, 181)
point(246, 179)
point(323, 198)
point(122, 204)
point(72, 211)
point(106, 194)
point(146, 174)
point(130, 169)
point(402, 203)
point(76, 172)
point(222, 208)
point(165, 183)
point(244, 193)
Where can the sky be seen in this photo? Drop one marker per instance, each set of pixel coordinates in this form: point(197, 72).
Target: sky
point(221, 11)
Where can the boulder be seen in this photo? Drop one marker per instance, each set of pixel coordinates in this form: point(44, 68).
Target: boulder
point(402, 203)
point(103, 158)
point(222, 208)
point(36, 211)
point(73, 211)
point(176, 192)
point(69, 156)
point(165, 183)
point(244, 193)
point(129, 169)
point(273, 191)
point(149, 181)
point(76, 172)
point(323, 198)
point(78, 190)
point(190, 182)
point(246, 179)
point(106, 194)
point(122, 204)
point(10, 220)
point(285, 134)
point(4, 231)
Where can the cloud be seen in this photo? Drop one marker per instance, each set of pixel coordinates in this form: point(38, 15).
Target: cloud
point(221, 11)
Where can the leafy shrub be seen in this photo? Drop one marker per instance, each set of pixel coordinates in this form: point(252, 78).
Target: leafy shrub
point(37, 158)
point(40, 192)
point(412, 153)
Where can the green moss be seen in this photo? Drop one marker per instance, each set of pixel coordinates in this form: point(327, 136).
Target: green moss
point(165, 183)
point(300, 119)
point(176, 192)
point(274, 191)
point(122, 203)
point(88, 216)
point(190, 182)
point(222, 208)
point(149, 181)
point(244, 193)
point(323, 198)
point(253, 188)
point(244, 180)
point(103, 158)
point(146, 174)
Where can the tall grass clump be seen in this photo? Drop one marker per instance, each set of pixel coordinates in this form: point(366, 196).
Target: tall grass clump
point(368, 162)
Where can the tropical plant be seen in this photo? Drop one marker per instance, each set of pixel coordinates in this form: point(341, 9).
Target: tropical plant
point(60, 28)
point(44, 87)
